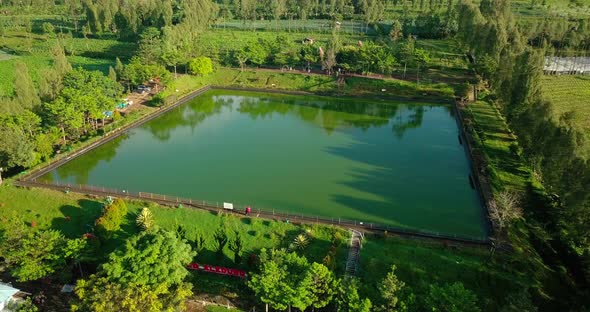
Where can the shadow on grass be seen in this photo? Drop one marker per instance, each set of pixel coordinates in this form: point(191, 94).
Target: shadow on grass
point(77, 220)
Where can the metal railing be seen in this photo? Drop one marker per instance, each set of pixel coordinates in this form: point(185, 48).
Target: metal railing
point(239, 209)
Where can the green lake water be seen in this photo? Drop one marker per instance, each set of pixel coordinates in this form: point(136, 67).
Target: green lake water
point(398, 164)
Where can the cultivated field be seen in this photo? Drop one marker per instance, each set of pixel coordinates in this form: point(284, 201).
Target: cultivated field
point(570, 94)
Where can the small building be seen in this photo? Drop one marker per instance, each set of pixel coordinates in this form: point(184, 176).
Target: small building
point(7, 294)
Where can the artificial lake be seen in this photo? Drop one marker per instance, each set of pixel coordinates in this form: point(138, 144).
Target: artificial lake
point(393, 163)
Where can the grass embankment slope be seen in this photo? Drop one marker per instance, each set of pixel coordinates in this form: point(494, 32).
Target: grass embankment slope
point(493, 140)
point(312, 83)
point(75, 214)
point(570, 94)
point(420, 263)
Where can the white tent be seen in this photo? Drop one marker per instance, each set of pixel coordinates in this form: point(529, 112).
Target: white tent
point(567, 65)
point(6, 293)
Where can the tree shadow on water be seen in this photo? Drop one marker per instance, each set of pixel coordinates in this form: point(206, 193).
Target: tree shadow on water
point(414, 185)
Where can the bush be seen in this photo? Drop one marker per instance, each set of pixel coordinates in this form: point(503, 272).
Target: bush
point(200, 66)
point(111, 219)
point(48, 28)
point(157, 100)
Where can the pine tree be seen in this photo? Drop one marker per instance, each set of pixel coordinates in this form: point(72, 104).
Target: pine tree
point(26, 93)
point(112, 74)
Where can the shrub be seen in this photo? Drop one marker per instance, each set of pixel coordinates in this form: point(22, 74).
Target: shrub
point(200, 66)
point(157, 100)
point(48, 28)
point(145, 219)
point(111, 219)
point(221, 238)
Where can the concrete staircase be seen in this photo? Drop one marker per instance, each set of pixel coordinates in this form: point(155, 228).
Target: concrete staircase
point(356, 243)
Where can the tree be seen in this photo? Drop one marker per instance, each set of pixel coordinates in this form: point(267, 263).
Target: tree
point(26, 93)
point(280, 280)
point(349, 300)
point(198, 243)
point(176, 46)
point(505, 209)
point(112, 74)
point(118, 67)
point(111, 219)
point(247, 9)
point(150, 45)
point(149, 258)
point(17, 148)
point(256, 52)
point(36, 254)
point(321, 284)
point(145, 219)
point(407, 52)
point(300, 242)
point(51, 82)
point(221, 238)
point(200, 66)
point(99, 294)
point(136, 72)
point(236, 246)
point(396, 31)
point(48, 28)
point(389, 289)
point(145, 275)
point(451, 298)
point(242, 57)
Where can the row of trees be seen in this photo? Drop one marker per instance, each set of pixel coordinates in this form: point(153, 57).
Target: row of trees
point(130, 18)
point(369, 11)
point(363, 58)
point(549, 145)
point(68, 104)
point(285, 279)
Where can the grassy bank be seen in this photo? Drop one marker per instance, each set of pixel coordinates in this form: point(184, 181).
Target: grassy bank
point(75, 214)
point(312, 83)
point(422, 263)
point(493, 140)
point(419, 262)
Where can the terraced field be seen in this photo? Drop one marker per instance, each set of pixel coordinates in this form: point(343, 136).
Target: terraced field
point(570, 93)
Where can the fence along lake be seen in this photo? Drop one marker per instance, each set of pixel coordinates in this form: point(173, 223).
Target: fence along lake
point(399, 164)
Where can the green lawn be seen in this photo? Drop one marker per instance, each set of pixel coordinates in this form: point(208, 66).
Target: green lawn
point(506, 171)
point(321, 84)
point(570, 94)
point(422, 263)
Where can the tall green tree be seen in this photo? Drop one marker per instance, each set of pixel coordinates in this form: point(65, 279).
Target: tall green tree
point(149, 258)
point(321, 284)
point(390, 289)
point(147, 274)
point(451, 298)
point(279, 284)
point(25, 91)
point(37, 254)
point(348, 299)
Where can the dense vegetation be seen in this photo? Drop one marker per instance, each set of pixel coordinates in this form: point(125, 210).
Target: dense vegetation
point(67, 64)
